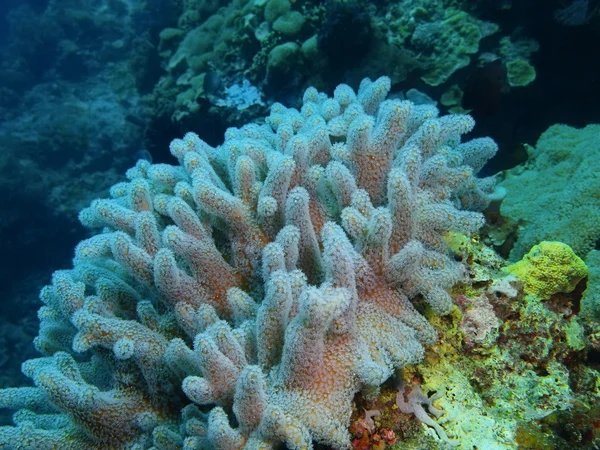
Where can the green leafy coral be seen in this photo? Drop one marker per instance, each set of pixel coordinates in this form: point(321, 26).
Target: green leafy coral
point(447, 43)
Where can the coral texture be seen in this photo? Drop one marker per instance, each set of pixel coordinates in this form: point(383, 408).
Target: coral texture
point(241, 298)
point(566, 210)
point(549, 268)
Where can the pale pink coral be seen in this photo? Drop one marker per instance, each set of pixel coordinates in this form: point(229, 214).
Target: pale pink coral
point(479, 322)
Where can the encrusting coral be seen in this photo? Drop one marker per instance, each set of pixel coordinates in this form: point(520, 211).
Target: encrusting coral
point(549, 268)
point(264, 282)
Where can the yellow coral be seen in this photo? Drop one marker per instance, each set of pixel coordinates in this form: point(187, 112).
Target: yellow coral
point(549, 268)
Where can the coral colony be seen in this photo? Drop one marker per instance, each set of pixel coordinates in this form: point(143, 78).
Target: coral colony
point(242, 297)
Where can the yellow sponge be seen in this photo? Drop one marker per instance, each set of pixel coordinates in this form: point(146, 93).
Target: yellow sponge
point(549, 268)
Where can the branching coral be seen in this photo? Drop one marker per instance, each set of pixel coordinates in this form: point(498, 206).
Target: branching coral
point(264, 282)
point(416, 400)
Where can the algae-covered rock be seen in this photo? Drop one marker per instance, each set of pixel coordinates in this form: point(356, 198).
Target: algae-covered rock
point(197, 46)
point(169, 34)
point(289, 24)
point(574, 335)
point(276, 8)
point(590, 302)
point(549, 268)
point(283, 56)
point(310, 48)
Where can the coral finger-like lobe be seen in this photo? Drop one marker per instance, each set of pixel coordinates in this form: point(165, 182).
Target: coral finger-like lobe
point(265, 281)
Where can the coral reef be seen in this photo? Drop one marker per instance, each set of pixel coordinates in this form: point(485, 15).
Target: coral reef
point(265, 281)
point(566, 209)
point(281, 47)
point(549, 268)
point(531, 384)
point(72, 121)
point(517, 55)
point(275, 289)
point(456, 35)
point(511, 391)
point(590, 302)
